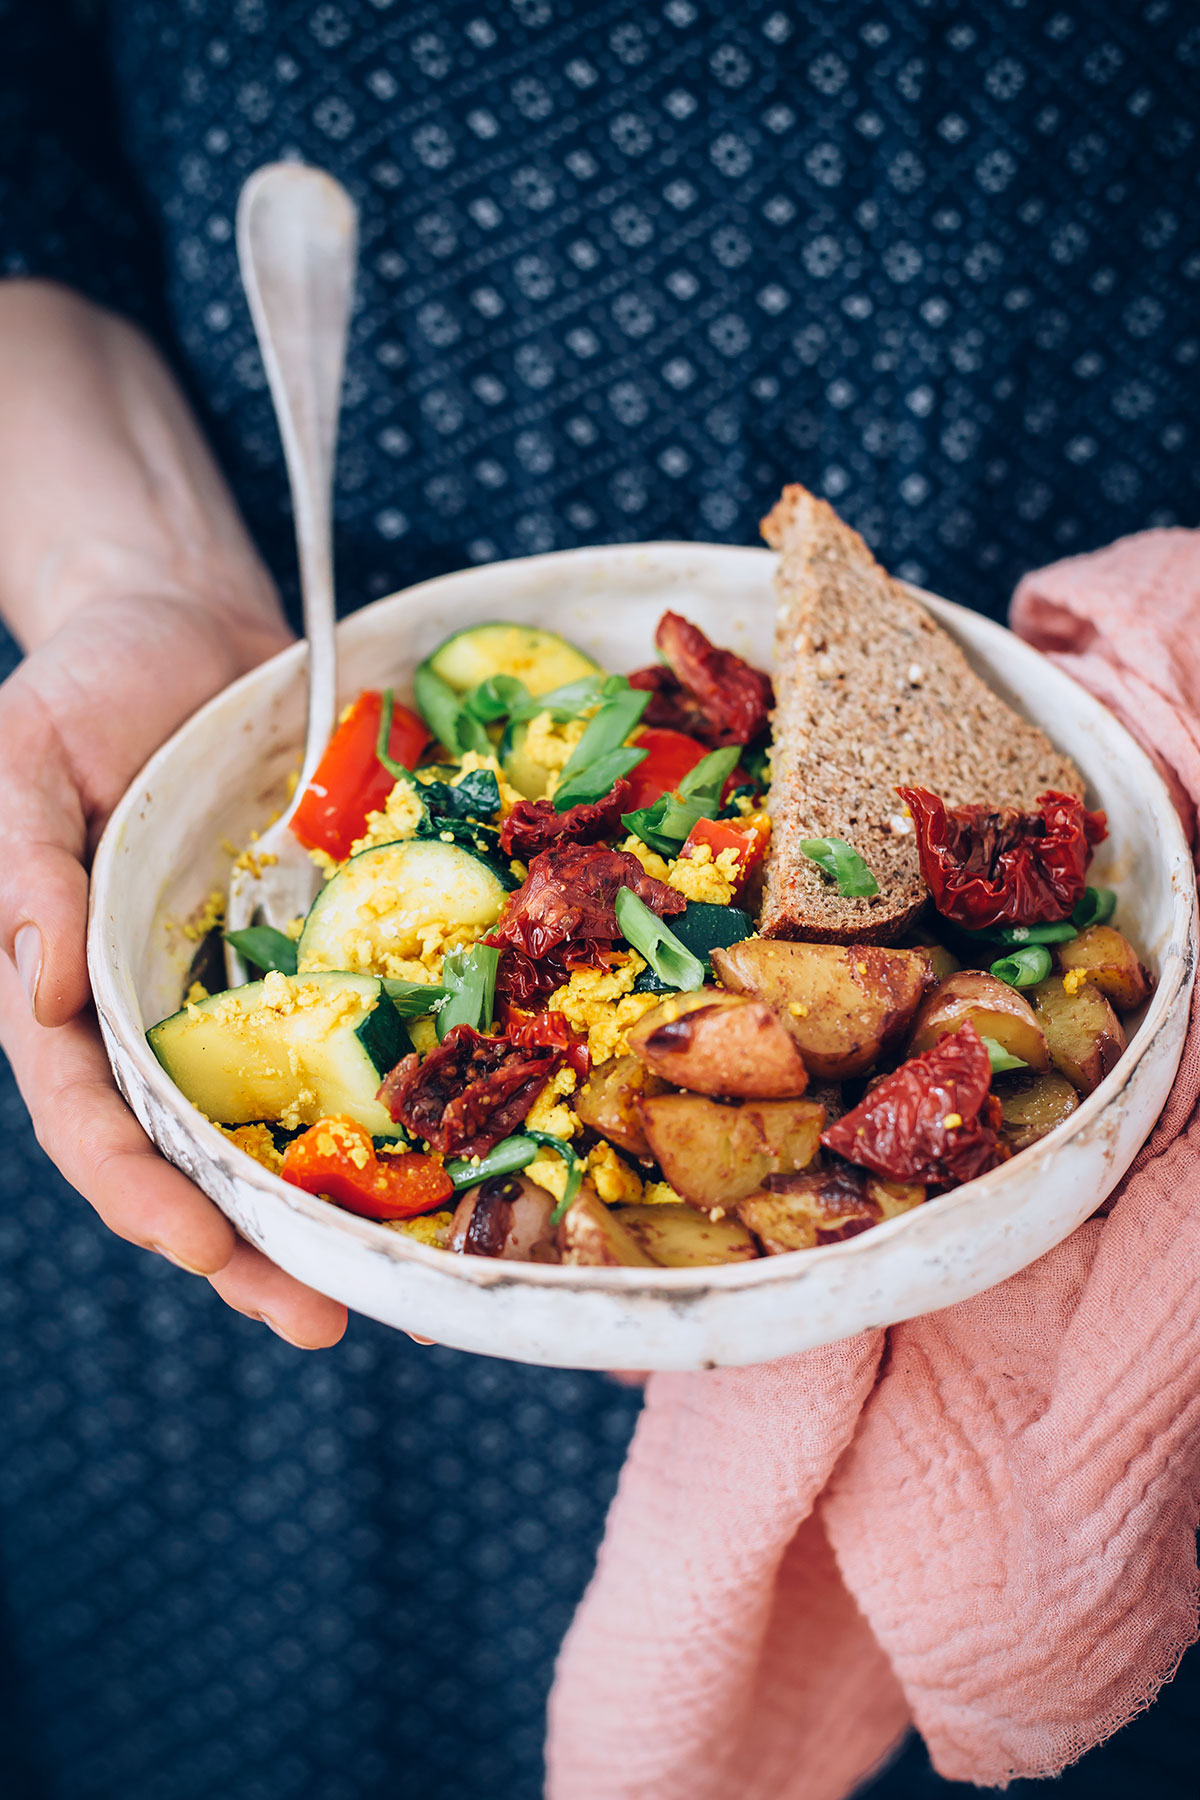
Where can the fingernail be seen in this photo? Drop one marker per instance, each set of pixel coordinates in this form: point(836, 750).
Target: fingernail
point(419, 1340)
point(187, 1267)
point(281, 1333)
point(27, 954)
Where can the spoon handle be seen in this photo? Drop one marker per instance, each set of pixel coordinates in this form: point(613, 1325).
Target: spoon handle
point(297, 240)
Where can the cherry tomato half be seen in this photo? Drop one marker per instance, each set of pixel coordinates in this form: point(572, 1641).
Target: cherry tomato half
point(670, 755)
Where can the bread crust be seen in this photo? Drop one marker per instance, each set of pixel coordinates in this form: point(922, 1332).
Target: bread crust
point(871, 694)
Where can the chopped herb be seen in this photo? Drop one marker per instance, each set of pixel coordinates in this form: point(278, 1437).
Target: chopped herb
point(664, 825)
point(598, 779)
point(573, 699)
point(264, 947)
point(496, 698)
point(1095, 908)
point(840, 860)
point(505, 1159)
point(1023, 968)
point(446, 716)
point(413, 999)
point(396, 770)
point(469, 977)
point(473, 796)
point(646, 933)
point(1000, 1059)
point(607, 730)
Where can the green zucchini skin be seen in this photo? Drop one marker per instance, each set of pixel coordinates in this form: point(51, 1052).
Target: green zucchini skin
point(541, 659)
point(701, 928)
point(520, 771)
point(434, 883)
point(242, 1060)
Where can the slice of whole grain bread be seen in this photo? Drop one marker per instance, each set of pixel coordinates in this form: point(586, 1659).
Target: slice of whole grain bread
point(871, 695)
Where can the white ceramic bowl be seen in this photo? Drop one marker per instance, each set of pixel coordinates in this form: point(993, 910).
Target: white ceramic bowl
point(225, 770)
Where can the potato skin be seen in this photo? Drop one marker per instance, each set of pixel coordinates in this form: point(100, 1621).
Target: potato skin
point(823, 1206)
point(1110, 962)
point(679, 1237)
point(843, 1004)
point(607, 1102)
point(1034, 1105)
point(1083, 1034)
point(995, 1009)
point(590, 1236)
point(717, 1043)
point(507, 1216)
point(713, 1155)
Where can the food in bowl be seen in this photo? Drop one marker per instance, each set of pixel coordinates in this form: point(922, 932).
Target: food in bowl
point(532, 1015)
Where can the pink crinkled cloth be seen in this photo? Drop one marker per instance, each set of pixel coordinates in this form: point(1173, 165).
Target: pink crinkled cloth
point(981, 1522)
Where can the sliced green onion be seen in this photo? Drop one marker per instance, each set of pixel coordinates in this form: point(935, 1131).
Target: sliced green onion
point(505, 1159)
point(568, 701)
point(1023, 968)
point(646, 933)
point(835, 857)
point(413, 999)
point(470, 976)
point(598, 779)
point(445, 715)
point(496, 698)
point(396, 770)
point(608, 729)
point(702, 785)
point(999, 1058)
point(1013, 936)
point(268, 949)
point(645, 824)
point(574, 1164)
point(1095, 908)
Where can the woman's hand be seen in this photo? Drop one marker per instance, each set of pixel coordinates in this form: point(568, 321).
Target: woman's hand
point(127, 574)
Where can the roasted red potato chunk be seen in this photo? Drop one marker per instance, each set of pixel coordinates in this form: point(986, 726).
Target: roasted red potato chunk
point(507, 1216)
point(823, 1206)
point(591, 1236)
point(717, 1043)
point(1083, 1034)
point(996, 1010)
point(1109, 961)
point(1033, 1105)
point(714, 1154)
point(679, 1237)
point(607, 1102)
point(844, 1005)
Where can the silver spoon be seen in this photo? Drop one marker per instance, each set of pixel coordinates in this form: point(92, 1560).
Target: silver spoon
point(297, 241)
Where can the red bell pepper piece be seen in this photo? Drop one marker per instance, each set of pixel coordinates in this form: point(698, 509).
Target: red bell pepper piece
point(749, 841)
point(336, 1159)
point(350, 780)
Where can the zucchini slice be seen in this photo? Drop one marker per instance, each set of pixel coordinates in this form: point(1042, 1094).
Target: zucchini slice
point(541, 659)
point(294, 1046)
point(384, 902)
point(520, 769)
point(701, 928)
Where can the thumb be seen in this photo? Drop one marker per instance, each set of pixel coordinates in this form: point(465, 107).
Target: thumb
point(43, 837)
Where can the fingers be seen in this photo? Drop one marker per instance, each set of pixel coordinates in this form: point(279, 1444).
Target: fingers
point(254, 1286)
point(86, 1128)
point(43, 886)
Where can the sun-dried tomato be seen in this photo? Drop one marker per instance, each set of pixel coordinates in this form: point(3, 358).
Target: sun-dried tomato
point(533, 825)
point(933, 1120)
point(1007, 867)
point(709, 693)
point(470, 1092)
point(570, 897)
point(548, 1028)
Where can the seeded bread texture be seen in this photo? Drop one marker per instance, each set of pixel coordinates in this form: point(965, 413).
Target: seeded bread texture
point(872, 694)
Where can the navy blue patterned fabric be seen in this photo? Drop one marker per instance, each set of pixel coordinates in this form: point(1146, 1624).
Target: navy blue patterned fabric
point(625, 270)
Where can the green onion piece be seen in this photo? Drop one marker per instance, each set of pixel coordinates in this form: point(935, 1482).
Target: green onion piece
point(566, 702)
point(268, 949)
point(446, 717)
point(396, 770)
point(1095, 908)
point(999, 1058)
point(496, 698)
point(646, 933)
point(470, 975)
point(1013, 936)
point(646, 824)
point(598, 779)
point(574, 1164)
point(1023, 968)
point(413, 999)
point(702, 785)
point(505, 1159)
point(841, 860)
point(607, 730)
